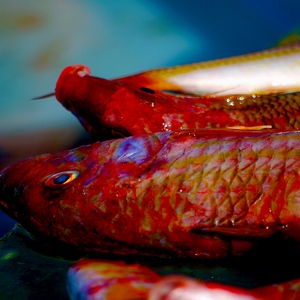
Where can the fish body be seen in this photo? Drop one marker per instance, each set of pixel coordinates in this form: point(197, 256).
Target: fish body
point(103, 106)
point(92, 279)
point(186, 193)
point(274, 70)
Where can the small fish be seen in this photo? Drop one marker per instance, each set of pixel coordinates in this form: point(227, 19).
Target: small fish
point(187, 193)
point(91, 279)
point(103, 106)
point(270, 71)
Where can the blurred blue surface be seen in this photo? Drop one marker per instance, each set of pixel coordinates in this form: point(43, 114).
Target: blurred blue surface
point(114, 38)
point(234, 27)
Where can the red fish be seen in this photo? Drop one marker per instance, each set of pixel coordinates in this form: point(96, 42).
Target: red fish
point(99, 279)
point(92, 279)
point(187, 193)
point(102, 105)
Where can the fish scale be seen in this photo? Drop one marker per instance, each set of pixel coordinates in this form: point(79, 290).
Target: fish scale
point(269, 110)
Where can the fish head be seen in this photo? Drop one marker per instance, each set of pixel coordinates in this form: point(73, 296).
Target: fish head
point(66, 195)
point(103, 105)
point(75, 85)
point(77, 89)
point(86, 97)
point(43, 191)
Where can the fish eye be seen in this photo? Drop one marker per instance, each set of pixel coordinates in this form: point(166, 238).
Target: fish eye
point(147, 90)
point(60, 179)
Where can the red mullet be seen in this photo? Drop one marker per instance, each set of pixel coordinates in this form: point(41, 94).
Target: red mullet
point(187, 193)
point(103, 106)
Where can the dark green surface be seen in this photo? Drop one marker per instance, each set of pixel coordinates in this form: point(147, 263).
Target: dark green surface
point(28, 272)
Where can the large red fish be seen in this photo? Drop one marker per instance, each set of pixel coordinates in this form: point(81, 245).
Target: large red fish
point(103, 106)
point(193, 193)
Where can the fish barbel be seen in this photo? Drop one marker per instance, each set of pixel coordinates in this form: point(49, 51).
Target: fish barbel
point(270, 71)
point(93, 279)
point(103, 106)
point(188, 193)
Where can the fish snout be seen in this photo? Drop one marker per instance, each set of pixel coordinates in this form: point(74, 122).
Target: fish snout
point(13, 181)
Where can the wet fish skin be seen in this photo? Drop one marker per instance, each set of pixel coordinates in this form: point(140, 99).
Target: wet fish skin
point(187, 193)
point(103, 106)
